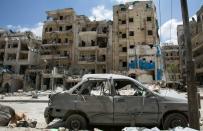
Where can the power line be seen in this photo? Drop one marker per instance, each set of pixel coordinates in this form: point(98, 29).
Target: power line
point(171, 20)
point(160, 21)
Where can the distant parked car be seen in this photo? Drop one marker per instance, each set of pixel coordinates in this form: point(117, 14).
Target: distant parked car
point(108, 99)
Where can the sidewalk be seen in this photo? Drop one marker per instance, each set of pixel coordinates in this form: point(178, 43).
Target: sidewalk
point(40, 99)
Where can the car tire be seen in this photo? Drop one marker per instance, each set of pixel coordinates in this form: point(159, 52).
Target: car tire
point(174, 120)
point(76, 122)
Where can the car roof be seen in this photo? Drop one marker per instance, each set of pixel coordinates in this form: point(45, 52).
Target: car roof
point(105, 76)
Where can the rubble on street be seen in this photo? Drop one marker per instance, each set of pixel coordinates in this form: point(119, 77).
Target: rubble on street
point(10, 118)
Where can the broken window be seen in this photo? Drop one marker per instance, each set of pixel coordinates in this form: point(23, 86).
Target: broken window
point(123, 22)
point(66, 40)
point(92, 43)
point(150, 32)
point(131, 33)
point(149, 18)
point(95, 88)
point(105, 30)
point(124, 64)
point(11, 57)
point(83, 44)
point(50, 29)
point(23, 68)
point(60, 28)
point(103, 70)
point(127, 88)
point(92, 71)
point(23, 56)
point(123, 35)
point(132, 46)
point(102, 42)
point(24, 47)
point(1, 56)
point(46, 29)
point(130, 19)
point(61, 17)
point(84, 29)
point(68, 27)
point(124, 49)
point(59, 40)
point(123, 9)
point(94, 29)
point(44, 41)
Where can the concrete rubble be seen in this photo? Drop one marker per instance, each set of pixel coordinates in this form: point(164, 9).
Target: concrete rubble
point(10, 118)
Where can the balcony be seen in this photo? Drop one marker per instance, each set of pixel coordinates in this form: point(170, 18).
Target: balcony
point(199, 58)
point(131, 52)
point(54, 57)
point(86, 60)
point(56, 44)
point(87, 48)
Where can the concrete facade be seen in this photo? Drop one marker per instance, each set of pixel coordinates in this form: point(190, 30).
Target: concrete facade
point(18, 52)
point(196, 29)
point(135, 39)
point(171, 57)
point(197, 44)
point(72, 41)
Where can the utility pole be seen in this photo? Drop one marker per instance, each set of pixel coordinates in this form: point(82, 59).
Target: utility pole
point(191, 84)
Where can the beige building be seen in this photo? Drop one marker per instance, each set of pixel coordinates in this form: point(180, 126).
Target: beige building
point(171, 57)
point(18, 52)
point(135, 40)
point(197, 46)
point(94, 46)
point(58, 39)
point(197, 43)
point(73, 41)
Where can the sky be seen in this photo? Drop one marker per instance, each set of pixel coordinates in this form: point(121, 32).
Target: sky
point(22, 15)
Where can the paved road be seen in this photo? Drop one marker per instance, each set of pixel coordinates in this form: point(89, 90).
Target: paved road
point(34, 111)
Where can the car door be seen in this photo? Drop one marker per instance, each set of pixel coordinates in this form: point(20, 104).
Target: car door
point(131, 107)
point(96, 101)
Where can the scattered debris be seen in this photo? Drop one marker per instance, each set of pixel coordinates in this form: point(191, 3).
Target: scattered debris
point(6, 113)
point(10, 118)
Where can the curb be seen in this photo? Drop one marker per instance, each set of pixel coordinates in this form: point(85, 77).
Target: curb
point(29, 101)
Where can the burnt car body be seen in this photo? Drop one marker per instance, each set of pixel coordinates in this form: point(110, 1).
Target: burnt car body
point(109, 99)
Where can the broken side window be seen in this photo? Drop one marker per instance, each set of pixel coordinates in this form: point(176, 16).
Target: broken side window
point(126, 88)
point(95, 88)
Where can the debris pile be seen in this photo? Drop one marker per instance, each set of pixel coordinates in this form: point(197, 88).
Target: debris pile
point(10, 118)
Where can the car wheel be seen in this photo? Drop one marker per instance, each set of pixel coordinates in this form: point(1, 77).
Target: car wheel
point(174, 120)
point(76, 122)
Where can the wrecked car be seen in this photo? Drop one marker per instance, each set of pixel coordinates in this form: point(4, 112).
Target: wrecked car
point(109, 99)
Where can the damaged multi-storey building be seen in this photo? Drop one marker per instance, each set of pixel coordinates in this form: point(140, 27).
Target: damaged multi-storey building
point(171, 57)
point(94, 45)
point(19, 52)
point(71, 40)
point(135, 41)
point(197, 46)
